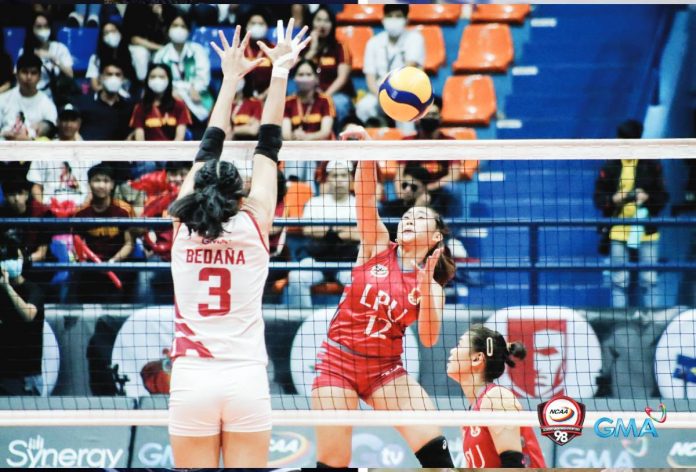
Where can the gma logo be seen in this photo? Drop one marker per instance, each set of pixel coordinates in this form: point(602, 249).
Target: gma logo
point(606, 428)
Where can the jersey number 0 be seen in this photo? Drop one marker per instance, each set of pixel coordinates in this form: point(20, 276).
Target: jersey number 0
point(221, 291)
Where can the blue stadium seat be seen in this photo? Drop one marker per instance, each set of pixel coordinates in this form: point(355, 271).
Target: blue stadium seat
point(496, 297)
point(575, 296)
point(14, 40)
point(587, 51)
point(541, 208)
point(540, 183)
point(505, 243)
point(560, 242)
point(204, 35)
point(606, 105)
point(82, 43)
point(576, 79)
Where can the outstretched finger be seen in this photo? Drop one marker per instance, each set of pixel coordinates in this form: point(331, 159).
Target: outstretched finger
point(253, 65)
point(223, 40)
point(266, 50)
point(245, 41)
point(300, 35)
point(304, 43)
point(291, 26)
point(280, 32)
point(217, 49)
point(237, 34)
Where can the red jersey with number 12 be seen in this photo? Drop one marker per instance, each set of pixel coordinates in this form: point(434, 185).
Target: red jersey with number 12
point(377, 307)
point(479, 449)
point(218, 286)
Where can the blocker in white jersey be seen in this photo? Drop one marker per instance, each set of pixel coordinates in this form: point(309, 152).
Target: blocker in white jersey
point(218, 286)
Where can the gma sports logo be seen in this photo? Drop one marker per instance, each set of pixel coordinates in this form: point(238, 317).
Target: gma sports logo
point(605, 428)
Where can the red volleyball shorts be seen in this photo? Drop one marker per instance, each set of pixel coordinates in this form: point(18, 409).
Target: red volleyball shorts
point(338, 367)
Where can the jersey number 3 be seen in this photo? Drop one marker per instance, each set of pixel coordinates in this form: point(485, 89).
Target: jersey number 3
point(221, 291)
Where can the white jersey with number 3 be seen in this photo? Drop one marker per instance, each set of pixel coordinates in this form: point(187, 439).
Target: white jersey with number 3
point(218, 287)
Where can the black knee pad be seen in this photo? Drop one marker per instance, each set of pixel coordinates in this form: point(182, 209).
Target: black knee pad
point(435, 454)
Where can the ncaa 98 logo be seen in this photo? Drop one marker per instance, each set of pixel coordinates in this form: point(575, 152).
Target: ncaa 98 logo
point(561, 419)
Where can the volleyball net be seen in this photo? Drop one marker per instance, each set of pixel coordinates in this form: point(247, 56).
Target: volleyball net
point(557, 246)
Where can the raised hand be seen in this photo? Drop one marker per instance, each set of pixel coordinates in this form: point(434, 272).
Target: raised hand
point(287, 50)
point(425, 274)
point(233, 61)
point(355, 133)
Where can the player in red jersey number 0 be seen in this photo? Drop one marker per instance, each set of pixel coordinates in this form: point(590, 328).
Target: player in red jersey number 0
point(475, 363)
point(393, 285)
point(220, 400)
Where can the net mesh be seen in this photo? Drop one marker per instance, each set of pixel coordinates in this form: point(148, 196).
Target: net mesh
point(582, 261)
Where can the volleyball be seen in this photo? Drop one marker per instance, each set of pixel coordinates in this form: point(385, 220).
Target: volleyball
point(406, 94)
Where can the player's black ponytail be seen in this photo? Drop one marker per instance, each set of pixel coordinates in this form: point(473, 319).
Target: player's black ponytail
point(446, 267)
point(218, 188)
point(498, 353)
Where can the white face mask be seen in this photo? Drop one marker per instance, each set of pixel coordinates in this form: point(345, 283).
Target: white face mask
point(13, 267)
point(42, 34)
point(112, 39)
point(258, 31)
point(178, 35)
point(394, 26)
point(112, 84)
point(158, 85)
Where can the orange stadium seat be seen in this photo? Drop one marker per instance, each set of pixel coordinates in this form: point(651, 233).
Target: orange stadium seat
point(435, 56)
point(298, 195)
point(385, 134)
point(467, 168)
point(491, 13)
point(469, 100)
point(355, 38)
point(485, 48)
point(361, 14)
point(427, 13)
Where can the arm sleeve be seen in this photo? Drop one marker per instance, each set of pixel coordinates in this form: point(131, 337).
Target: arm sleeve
point(63, 54)
point(183, 116)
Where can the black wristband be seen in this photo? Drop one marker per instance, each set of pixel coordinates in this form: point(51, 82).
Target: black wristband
point(210, 148)
point(511, 460)
point(270, 142)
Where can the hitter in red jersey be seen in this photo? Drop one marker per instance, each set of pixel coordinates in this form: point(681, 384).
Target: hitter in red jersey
point(394, 285)
point(475, 363)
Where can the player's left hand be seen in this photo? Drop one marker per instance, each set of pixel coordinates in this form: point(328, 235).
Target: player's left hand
point(233, 61)
point(287, 49)
point(424, 275)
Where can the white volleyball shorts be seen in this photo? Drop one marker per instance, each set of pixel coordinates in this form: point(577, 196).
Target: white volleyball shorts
point(208, 396)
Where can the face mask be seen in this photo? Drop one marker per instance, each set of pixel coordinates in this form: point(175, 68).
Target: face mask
point(112, 39)
point(305, 85)
point(394, 26)
point(13, 267)
point(42, 34)
point(178, 35)
point(258, 31)
point(429, 124)
point(158, 85)
point(112, 84)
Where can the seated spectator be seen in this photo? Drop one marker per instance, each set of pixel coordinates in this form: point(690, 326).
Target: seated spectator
point(6, 75)
point(159, 189)
point(412, 191)
point(301, 14)
point(21, 323)
point(333, 60)
point(190, 66)
point(257, 26)
point(60, 185)
point(20, 204)
point(55, 56)
point(145, 29)
point(69, 122)
point(24, 106)
point(112, 49)
point(108, 244)
point(106, 114)
point(326, 243)
point(632, 188)
point(392, 49)
point(309, 116)
point(160, 116)
point(246, 113)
